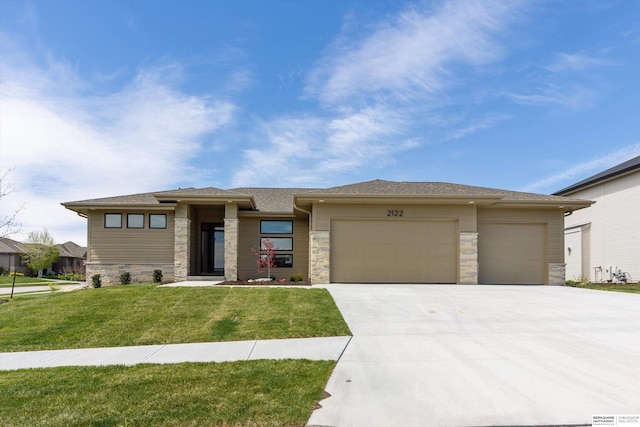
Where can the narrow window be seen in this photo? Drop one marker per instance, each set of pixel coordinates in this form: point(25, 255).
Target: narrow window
point(283, 260)
point(276, 227)
point(279, 243)
point(112, 220)
point(135, 220)
point(157, 220)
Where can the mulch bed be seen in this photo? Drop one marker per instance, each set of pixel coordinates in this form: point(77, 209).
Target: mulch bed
point(271, 283)
point(2, 301)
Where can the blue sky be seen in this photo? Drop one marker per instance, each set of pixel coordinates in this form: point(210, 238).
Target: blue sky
point(105, 98)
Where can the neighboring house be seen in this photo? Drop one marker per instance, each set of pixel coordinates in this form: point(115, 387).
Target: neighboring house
point(375, 231)
point(11, 253)
point(71, 258)
point(604, 239)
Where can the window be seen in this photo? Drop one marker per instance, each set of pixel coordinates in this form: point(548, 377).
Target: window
point(112, 220)
point(283, 260)
point(135, 220)
point(157, 220)
point(276, 227)
point(279, 243)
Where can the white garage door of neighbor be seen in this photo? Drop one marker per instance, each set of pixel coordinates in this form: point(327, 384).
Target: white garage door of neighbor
point(513, 254)
point(394, 251)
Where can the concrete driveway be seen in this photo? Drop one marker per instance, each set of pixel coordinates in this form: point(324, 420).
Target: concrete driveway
point(446, 355)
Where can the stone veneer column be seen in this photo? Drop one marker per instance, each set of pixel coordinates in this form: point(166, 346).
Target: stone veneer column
point(469, 257)
point(320, 256)
point(556, 273)
point(182, 245)
point(230, 249)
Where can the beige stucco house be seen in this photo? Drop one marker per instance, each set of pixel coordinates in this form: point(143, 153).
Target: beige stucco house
point(604, 239)
point(375, 231)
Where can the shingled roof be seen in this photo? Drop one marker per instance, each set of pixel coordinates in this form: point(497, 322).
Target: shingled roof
point(621, 169)
point(281, 200)
point(381, 187)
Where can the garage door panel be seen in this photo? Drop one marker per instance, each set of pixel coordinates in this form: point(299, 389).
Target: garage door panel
point(393, 251)
point(512, 253)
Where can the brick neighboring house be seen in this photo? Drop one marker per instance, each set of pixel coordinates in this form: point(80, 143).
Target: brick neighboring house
point(375, 231)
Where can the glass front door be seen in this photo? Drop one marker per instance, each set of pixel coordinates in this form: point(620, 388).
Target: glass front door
point(212, 244)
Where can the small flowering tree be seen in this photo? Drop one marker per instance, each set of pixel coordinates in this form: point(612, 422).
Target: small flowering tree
point(265, 256)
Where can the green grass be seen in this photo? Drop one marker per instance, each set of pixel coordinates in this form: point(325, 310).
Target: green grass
point(145, 314)
point(255, 393)
point(633, 288)
point(7, 281)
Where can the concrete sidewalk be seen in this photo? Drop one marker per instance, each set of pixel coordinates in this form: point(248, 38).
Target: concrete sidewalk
point(323, 348)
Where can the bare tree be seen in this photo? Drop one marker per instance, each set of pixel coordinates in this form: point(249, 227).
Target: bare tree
point(8, 223)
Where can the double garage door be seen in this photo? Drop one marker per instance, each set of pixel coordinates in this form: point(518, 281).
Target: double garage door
point(394, 251)
point(421, 251)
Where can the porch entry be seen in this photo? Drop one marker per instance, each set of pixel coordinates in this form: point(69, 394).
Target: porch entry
point(212, 244)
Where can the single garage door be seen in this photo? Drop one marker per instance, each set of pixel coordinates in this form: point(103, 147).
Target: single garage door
point(512, 253)
point(394, 251)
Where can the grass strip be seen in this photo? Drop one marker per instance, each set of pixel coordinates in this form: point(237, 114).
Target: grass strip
point(146, 314)
point(633, 288)
point(8, 280)
point(249, 393)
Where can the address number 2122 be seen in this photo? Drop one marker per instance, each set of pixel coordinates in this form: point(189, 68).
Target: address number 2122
point(395, 212)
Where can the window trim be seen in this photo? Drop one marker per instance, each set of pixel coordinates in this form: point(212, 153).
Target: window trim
point(137, 214)
point(263, 221)
point(112, 214)
point(158, 228)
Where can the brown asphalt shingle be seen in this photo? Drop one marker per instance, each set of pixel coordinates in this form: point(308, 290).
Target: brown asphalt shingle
point(281, 199)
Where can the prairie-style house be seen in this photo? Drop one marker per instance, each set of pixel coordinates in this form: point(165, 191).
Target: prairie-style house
point(374, 232)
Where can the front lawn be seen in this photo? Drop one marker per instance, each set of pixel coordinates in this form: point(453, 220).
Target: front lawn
point(254, 393)
point(7, 281)
point(633, 288)
point(146, 314)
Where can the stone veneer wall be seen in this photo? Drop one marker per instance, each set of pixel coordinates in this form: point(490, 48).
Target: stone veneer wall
point(230, 249)
point(557, 274)
point(468, 257)
point(182, 248)
point(319, 257)
point(140, 273)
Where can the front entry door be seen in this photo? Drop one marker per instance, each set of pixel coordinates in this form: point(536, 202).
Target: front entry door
point(212, 255)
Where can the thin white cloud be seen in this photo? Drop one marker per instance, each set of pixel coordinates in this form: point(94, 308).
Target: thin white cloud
point(565, 83)
point(317, 149)
point(363, 86)
point(64, 145)
point(410, 55)
point(477, 126)
point(576, 62)
point(575, 97)
point(583, 170)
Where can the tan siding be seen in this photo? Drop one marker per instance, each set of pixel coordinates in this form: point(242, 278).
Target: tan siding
point(249, 237)
point(126, 245)
point(464, 214)
point(553, 218)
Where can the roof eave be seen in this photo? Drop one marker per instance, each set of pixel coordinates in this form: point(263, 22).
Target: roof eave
point(86, 207)
point(306, 199)
point(243, 201)
point(566, 205)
